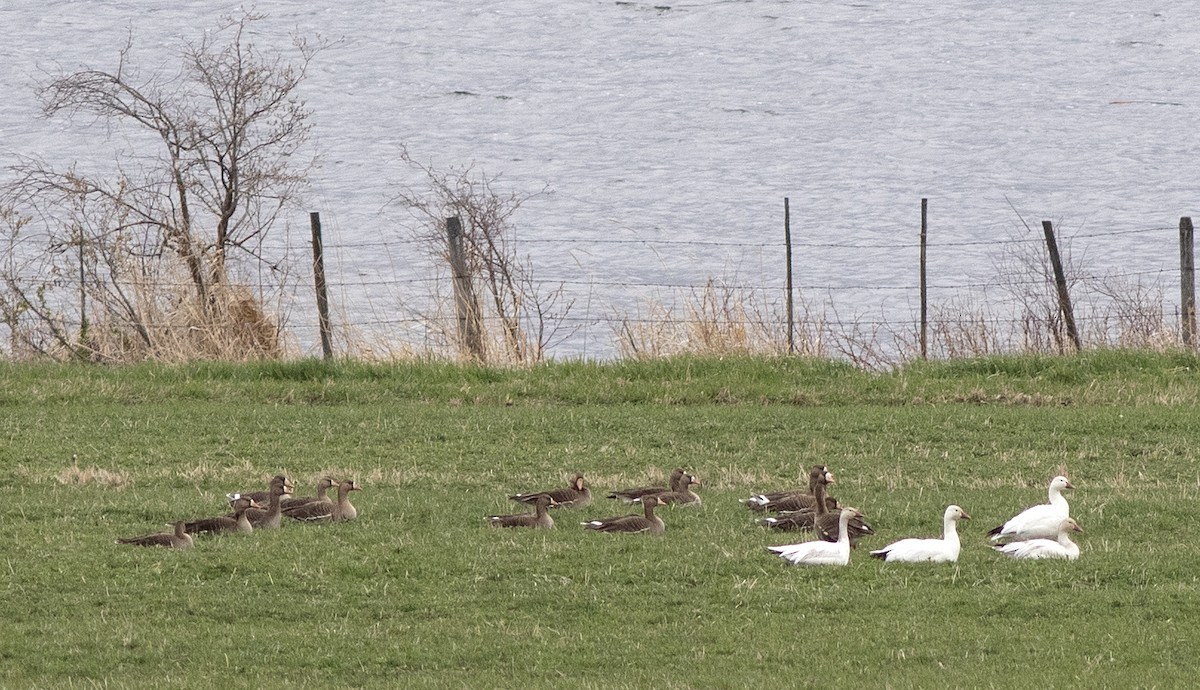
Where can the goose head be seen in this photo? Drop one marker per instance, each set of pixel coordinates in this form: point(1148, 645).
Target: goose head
point(1069, 525)
point(956, 513)
point(820, 473)
point(281, 485)
point(1061, 483)
point(577, 482)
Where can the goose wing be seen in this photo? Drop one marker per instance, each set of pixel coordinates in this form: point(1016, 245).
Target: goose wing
point(1038, 549)
point(918, 550)
point(1038, 522)
point(813, 553)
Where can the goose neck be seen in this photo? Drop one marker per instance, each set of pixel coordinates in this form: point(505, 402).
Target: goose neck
point(819, 495)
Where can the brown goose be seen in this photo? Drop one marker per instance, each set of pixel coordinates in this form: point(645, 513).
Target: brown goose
point(322, 512)
point(264, 497)
point(539, 518)
point(632, 495)
point(179, 539)
point(826, 523)
point(576, 495)
point(223, 523)
point(648, 522)
point(272, 516)
point(795, 499)
point(802, 520)
point(683, 494)
point(323, 486)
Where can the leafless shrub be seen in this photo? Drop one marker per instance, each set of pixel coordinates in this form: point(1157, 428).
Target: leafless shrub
point(1135, 317)
point(144, 253)
point(519, 317)
point(864, 343)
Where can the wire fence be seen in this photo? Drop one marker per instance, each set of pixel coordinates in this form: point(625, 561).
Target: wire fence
point(620, 296)
point(1115, 299)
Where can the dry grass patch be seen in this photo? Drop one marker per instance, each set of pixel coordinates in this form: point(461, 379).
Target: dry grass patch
point(82, 476)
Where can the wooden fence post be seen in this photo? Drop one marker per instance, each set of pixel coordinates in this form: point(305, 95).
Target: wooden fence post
point(924, 286)
point(314, 219)
point(470, 330)
point(787, 240)
point(1060, 280)
point(1187, 281)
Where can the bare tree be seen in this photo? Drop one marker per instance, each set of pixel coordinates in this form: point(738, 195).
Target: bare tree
point(525, 317)
point(151, 242)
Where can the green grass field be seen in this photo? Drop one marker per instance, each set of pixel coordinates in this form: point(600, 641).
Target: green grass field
point(419, 592)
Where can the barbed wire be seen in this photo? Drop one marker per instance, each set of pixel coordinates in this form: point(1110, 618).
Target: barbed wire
point(331, 243)
point(664, 320)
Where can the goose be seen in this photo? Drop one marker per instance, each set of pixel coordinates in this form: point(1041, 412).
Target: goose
point(648, 522)
point(264, 497)
point(820, 552)
point(576, 495)
point(539, 518)
point(1036, 549)
point(795, 499)
point(683, 494)
point(806, 520)
point(631, 495)
point(179, 539)
point(1040, 521)
point(825, 523)
point(324, 484)
point(271, 517)
point(944, 550)
point(224, 523)
point(333, 512)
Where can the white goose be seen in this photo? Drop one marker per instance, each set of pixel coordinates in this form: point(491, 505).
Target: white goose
point(819, 552)
point(1036, 549)
point(1040, 521)
point(944, 550)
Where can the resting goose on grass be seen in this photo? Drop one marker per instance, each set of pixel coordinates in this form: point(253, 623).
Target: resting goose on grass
point(794, 499)
point(224, 523)
point(683, 494)
point(271, 517)
point(819, 519)
point(179, 539)
point(944, 550)
point(264, 497)
point(576, 495)
point(632, 495)
point(1040, 521)
point(324, 484)
point(1037, 549)
point(820, 552)
point(328, 512)
point(540, 517)
point(648, 522)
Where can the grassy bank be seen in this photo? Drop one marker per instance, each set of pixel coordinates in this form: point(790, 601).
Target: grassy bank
point(419, 593)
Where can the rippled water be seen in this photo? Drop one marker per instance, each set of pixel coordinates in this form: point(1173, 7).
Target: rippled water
point(693, 122)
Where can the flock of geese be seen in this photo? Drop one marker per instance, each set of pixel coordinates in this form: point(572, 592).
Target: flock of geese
point(260, 510)
point(1039, 532)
